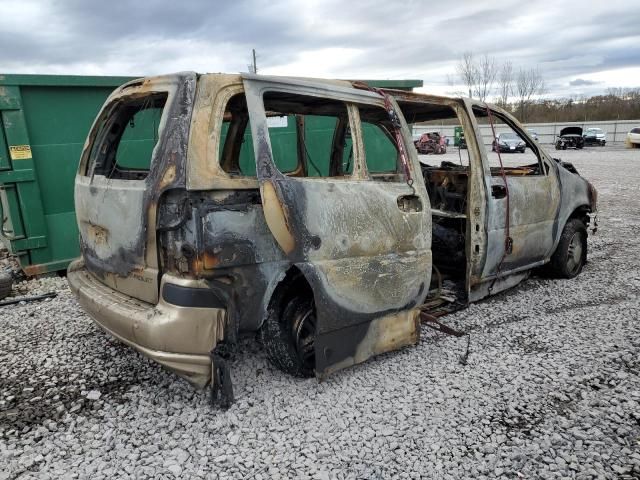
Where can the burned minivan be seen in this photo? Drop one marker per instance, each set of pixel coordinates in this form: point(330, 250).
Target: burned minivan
point(212, 206)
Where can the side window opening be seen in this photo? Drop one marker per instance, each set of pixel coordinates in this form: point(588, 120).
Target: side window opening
point(520, 157)
point(381, 152)
point(235, 152)
point(302, 142)
point(323, 158)
point(322, 144)
point(445, 167)
point(123, 147)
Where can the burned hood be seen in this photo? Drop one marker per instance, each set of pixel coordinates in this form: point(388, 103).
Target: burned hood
point(571, 131)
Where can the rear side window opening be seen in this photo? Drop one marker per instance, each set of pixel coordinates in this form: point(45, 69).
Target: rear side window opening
point(123, 147)
point(310, 137)
point(382, 156)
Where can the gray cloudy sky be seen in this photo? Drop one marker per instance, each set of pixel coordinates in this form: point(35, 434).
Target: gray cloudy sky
point(581, 47)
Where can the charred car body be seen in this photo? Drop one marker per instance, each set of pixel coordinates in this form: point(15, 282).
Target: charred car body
point(198, 223)
point(570, 137)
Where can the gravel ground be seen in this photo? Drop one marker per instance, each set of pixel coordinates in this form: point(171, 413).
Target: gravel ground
point(551, 390)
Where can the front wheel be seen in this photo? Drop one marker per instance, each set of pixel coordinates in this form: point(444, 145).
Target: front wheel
point(288, 335)
point(571, 253)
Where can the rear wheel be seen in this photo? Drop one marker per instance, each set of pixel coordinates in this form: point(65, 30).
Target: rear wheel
point(288, 335)
point(6, 282)
point(571, 254)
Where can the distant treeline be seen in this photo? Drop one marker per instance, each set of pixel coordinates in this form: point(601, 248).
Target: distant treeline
point(616, 104)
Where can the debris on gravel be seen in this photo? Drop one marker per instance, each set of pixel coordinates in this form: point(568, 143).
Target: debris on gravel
point(551, 388)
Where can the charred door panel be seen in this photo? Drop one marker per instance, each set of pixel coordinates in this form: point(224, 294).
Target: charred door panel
point(532, 198)
point(533, 205)
point(365, 256)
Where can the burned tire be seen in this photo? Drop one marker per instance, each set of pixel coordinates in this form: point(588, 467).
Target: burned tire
point(571, 253)
point(6, 282)
point(288, 335)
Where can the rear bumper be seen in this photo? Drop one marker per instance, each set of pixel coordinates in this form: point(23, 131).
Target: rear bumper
point(178, 337)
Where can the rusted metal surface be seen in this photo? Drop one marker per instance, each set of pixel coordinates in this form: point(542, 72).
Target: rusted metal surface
point(326, 228)
point(250, 239)
point(363, 245)
point(432, 322)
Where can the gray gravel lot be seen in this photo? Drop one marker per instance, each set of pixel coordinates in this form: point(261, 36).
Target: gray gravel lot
point(551, 390)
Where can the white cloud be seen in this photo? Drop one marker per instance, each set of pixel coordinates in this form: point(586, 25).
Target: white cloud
point(325, 38)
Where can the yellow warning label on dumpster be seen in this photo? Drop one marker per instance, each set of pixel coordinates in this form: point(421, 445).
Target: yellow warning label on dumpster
point(20, 152)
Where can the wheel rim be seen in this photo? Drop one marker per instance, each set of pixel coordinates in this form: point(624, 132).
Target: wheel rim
point(574, 253)
point(304, 333)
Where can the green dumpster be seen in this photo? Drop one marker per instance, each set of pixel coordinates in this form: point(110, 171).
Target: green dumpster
point(44, 122)
point(457, 135)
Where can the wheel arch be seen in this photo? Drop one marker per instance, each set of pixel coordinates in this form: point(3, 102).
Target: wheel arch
point(293, 277)
point(580, 212)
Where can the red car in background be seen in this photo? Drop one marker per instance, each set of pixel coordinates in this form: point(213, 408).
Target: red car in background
point(431, 143)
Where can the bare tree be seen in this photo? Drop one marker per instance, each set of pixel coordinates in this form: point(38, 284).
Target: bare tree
point(467, 71)
point(505, 83)
point(529, 83)
point(486, 71)
point(477, 75)
point(452, 81)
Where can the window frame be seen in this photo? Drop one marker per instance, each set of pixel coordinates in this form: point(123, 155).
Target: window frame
point(102, 125)
point(378, 176)
point(543, 165)
point(204, 169)
point(301, 170)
